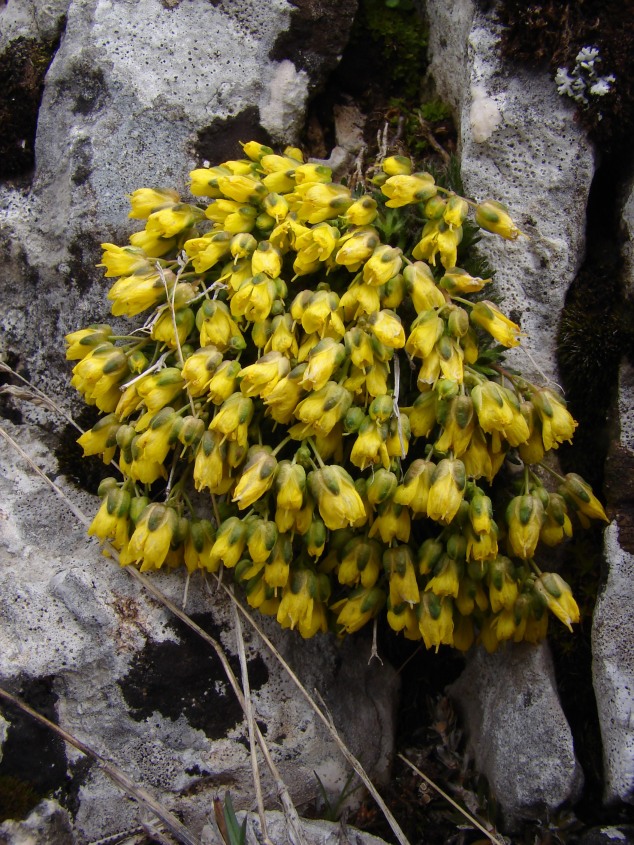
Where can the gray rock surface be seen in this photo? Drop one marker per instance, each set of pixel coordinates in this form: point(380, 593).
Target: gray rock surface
point(613, 622)
point(519, 144)
point(517, 733)
point(138, 93)
point(79, 637)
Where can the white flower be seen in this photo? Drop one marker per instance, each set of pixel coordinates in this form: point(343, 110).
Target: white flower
point(564, 82)
point(587, 56)
point(602, 86)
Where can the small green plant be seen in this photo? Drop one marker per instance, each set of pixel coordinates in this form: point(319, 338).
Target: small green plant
point(232, 832)
point(317, 400)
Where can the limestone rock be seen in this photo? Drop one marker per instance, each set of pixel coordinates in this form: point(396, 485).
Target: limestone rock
point(138, 93)
point(519, 145)
point(517, 732)
point(82, 643)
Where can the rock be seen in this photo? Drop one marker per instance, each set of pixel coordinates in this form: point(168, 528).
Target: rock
point(622, 834)
point(517, 732)
point(137, 94)
point(520, 145)
point(613, 621)
point(82, 643)
point(48, 823)
point(317, 832)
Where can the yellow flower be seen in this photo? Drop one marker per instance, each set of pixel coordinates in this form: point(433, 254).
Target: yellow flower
point(321, 315)
point(494, 217)
point(557, 424)
point(457, 419)
point(144, 201)
point(124, 261)
point(241, 187)
point(356, 247)
point(360, 563)
point(199, 369)
point(290, 484)
point(223, 382)
point(197, 547)
point(579, 495)
point(362, 212)
point(403, 618)
point(524, 517)
point(358, 300)
point(323, 408)
point(370, 448)
point(160, 389)
point(393, 522)
point(298, 599)
point(557, 595)
point(387, 327)
point(455, 211)
point(101, 439)
point(217, 327)
point(414, 492)
point(208, 250)
point(503, 590)
point(404, 189)
point(398, 563)
point(337, 499)
point(171, 221)
point(435, 620)
point(260, 378)
point(99, 374)
point(448, 484)
point(556, 523)
point(233, 418)
point(266, 259)
point(323, 360)
point(320, 202)
point(261, 538)
point(163, 328)
point(111, 520)
point(458, 282)
point(283, 399)
point(211, 467)
point(130, 295)
point(486, 315)
point(277, 569)
point(229, 543)
point(152, 537)
point(422, 288)
point(257, 477)
point(84, 341)
point(309, 173)
point(397, 166)
point(446, 580)
point(363, 604)
point(384, 263)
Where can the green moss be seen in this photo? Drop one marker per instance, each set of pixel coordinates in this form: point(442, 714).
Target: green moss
point(397, 38)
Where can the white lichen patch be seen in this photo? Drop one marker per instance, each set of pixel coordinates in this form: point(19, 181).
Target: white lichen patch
point(484, 115)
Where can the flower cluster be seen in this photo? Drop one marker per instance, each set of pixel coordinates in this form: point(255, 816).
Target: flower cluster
point(316, 402)
point(584, 81)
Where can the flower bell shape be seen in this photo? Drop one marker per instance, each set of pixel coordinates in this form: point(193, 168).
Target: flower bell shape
point(230, 542)
point(387, 328)
point(384, 263)
point(362, 212)
point(99, 375)
point(524, 518)
point(131, 295)
point(207, 251)
point(404, 190)
point(223, 382)
point(145, 201)
point(435, 620)
point(491, 319)
point(493, 217)
point(197, 547)
point(199, 368)
point(503, 590)
point(82, 342)
point(422, 287)
point(125, 261)
point(579, 495)
point(217, 327)
point(233, 418)
point(323, 360)
point(298, 599)
point(337, 499)
point(557, 424)
point(111, 521)
point(257, 477)
point(557, 595)
point(448, 484)
point(101, 439)
point(152, 537)
point(260, 378)
point(356, 247)
point(360, 563)
point(363, 604)
point(398, 563)
point(173, 220)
